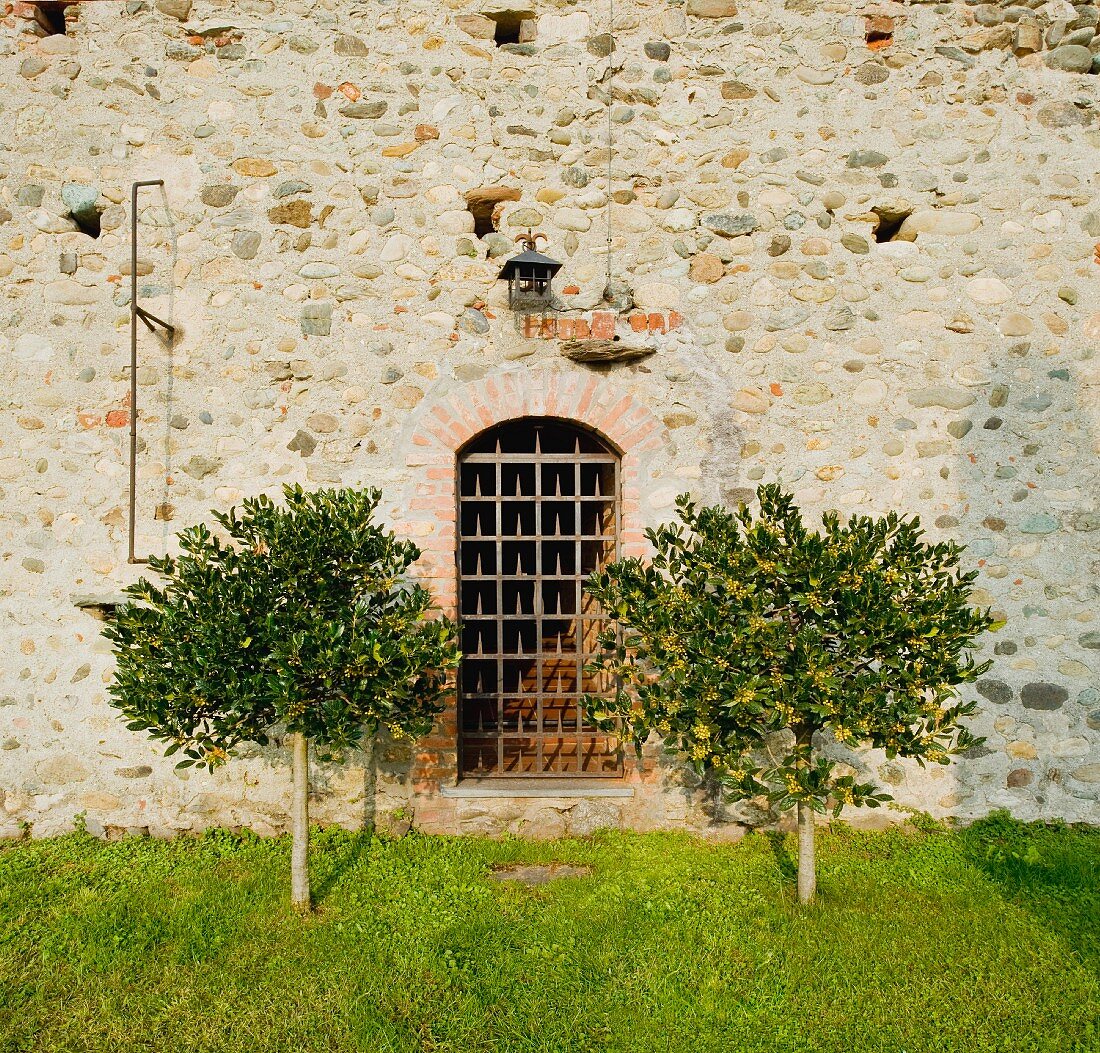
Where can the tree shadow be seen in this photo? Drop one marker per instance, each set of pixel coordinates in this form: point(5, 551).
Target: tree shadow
point(1052, 873)
point(352, 851)
point(339, 864)
point(333, 801)
point(784, 861)
point(370, 784)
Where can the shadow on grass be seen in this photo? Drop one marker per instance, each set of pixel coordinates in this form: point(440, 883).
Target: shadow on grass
point(1052, 872)
point(787, 864)
point(337, 864)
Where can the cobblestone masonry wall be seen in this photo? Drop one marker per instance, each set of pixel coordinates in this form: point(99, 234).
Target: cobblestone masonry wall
point(880, 225)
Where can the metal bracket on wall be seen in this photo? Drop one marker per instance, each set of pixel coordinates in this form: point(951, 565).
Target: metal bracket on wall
point(151, 321)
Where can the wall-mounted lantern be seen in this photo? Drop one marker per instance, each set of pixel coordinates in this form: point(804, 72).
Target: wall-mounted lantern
point(530, 275)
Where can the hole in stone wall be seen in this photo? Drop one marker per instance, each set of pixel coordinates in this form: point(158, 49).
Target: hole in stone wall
point(507, 32)
point(879, 31)
point(87, 223)
point(102, 608)
point(890, 219)
point(85, 208)
point(51, 18)
point(513, 26)
point(486, 203)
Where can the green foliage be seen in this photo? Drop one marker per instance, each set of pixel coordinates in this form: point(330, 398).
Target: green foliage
point(304, 618)
point(745, 635)
point(919, 942)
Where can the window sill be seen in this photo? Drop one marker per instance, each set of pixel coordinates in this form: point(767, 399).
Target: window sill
point(557, 788)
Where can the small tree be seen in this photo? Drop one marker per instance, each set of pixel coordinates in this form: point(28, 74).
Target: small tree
point(303, 620)
point(747, 635)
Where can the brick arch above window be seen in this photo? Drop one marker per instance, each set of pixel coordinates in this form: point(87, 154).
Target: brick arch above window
point(444, 424)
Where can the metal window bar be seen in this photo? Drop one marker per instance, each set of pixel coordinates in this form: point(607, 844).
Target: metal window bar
point(538, 511)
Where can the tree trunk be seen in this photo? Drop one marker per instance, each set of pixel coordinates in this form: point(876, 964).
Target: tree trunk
point(807, 872)
point(299, 816)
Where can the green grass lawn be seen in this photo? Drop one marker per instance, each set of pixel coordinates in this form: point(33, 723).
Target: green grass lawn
point(985, 939)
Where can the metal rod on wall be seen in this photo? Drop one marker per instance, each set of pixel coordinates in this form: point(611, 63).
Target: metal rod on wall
point(150, 321)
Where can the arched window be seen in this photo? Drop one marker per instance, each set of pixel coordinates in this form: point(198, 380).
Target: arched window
point(538, 512)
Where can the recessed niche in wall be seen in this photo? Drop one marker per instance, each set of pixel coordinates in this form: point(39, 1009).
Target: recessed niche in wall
point(890, 219)
point(82, 202)
point(88, 223)
point(514, 26)
point(879, 31)
point(486, 203)
point(51, 18)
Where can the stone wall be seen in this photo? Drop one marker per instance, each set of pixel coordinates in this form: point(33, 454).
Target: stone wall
point(880, 225)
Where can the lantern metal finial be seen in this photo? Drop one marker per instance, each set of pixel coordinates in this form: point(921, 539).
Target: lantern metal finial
point(531, 241)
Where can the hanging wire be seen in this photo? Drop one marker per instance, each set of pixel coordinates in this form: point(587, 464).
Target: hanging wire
point(610, 151)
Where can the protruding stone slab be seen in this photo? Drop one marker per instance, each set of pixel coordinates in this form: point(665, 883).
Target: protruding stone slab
point(603, 352)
